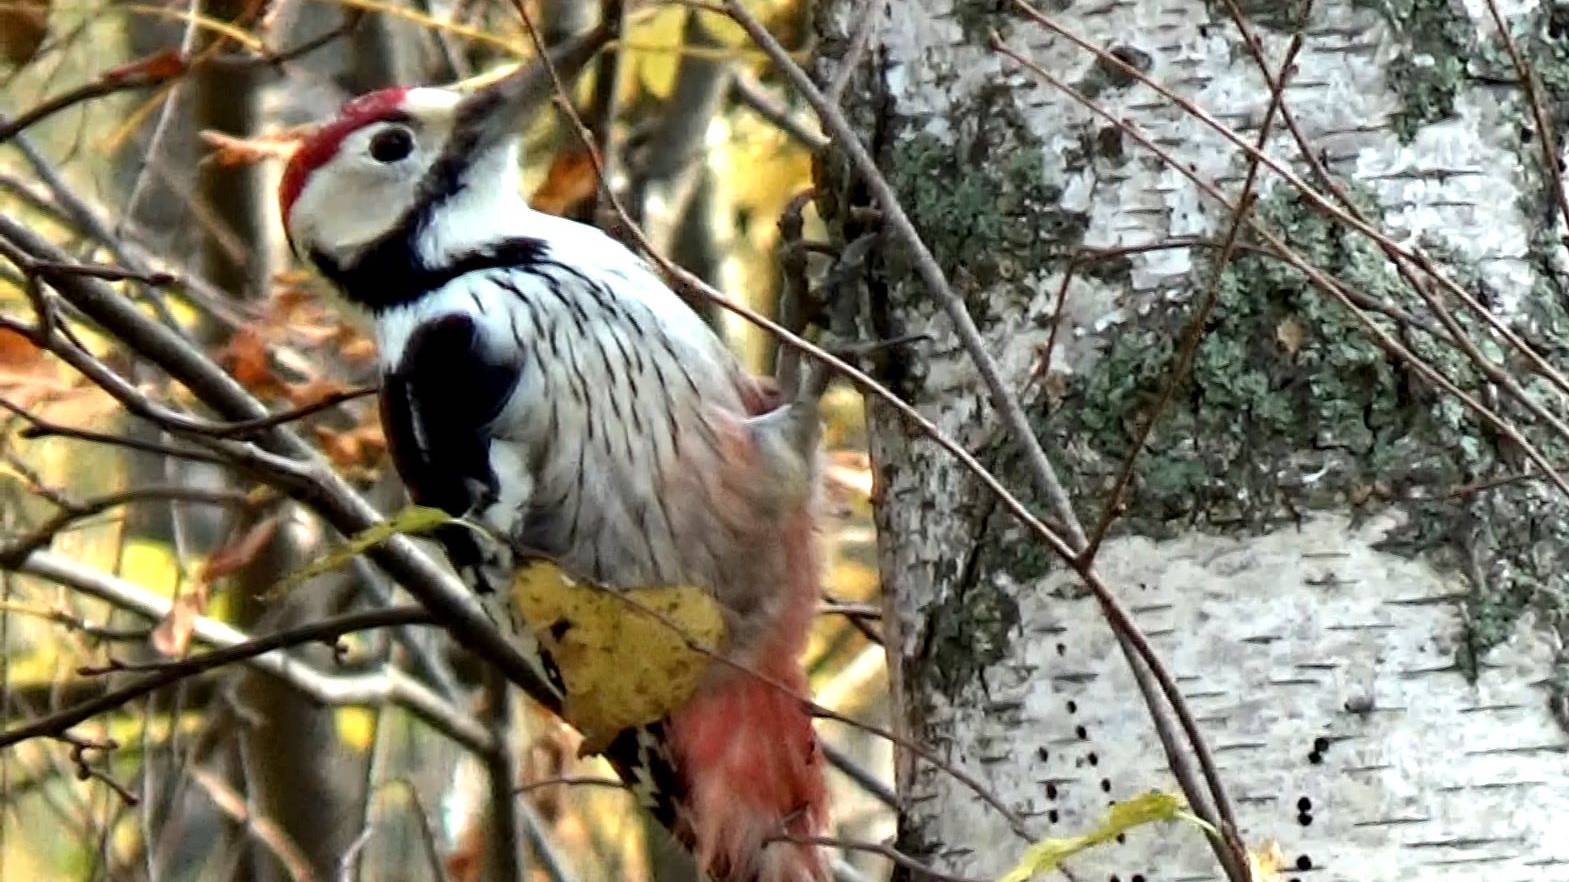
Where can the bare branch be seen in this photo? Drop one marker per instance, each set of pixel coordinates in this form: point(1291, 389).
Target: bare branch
point(152, 71)
point(756, 96)
point(56, 724)
point(389, 686)
point(264, 829)
point(284, 460)
point(12, 555)
point(1544, 123)
point(1002, 397)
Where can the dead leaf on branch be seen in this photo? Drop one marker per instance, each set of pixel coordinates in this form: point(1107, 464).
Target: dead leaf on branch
point(347, 448)
point(297, 313)
point(23, 26)
point(247, 358)
point(229, 150)
point(570, 180)
point(239, 554)
point(172, 635)
point(312, 391)
point(154, 68)
point(627, 658)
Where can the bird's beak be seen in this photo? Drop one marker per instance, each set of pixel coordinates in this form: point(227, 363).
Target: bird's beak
point(501, 109)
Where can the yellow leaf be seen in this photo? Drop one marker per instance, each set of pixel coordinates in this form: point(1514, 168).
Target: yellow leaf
point(658, 41)
point(411, 520)
point(152, 565)
point(1265, 863)
point(627, 657)
point(356, 726)
point(1046, 855)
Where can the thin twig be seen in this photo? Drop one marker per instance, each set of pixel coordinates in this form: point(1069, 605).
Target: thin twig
point(862, 778)
point(756, 96)
point(1544, 123)
point(923, 871)
point(388, 686)
point(1318, 200)
point(265, 830)
point(1002, 397)
point(13, 553)
point(138, 75)
point(571, 781)
point(57, 723)
point(504, 842)
point(40, 428)
point(852, 56)
point(1195, 330)
point(244, 428)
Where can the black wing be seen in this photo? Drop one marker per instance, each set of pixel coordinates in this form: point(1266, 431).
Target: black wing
point(437, 406)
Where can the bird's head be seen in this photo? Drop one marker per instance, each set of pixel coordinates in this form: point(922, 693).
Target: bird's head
point(401, 160)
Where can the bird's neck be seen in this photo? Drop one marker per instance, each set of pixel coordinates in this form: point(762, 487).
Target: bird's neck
point(426, 251)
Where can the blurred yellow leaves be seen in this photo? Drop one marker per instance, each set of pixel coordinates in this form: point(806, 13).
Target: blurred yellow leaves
point(655, 43)
point(356, 726)
point(626, 657)
point(1048, 854)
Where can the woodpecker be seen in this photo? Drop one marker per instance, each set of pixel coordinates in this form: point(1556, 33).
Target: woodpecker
point(540, 380)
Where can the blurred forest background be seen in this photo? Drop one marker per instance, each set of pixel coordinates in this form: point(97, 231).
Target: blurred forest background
point(168, 169)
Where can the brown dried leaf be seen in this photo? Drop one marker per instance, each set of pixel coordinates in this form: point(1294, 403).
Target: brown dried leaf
point(172, 636)
point(570, 180)
point(229, 150)
point(16, 351)
point(151, 69)
point(23, 26)
point(315, 390)
point(361, 445)
point(237, 555)
point(246, 357)
point(357, 350)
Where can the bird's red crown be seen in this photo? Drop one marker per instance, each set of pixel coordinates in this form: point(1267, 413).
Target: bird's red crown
point(322, 144)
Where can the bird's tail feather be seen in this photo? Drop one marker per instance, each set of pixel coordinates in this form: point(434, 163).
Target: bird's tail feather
point(750, 760)
point(754, 781)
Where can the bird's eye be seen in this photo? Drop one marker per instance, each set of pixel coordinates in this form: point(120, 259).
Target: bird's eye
point(391, 145)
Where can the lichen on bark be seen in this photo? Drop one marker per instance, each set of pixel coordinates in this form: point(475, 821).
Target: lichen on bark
point(1290, 407)
point(1431, 71)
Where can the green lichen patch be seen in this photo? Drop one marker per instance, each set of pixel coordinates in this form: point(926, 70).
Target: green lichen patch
point(1292, 406)
point(1431, 68)
point(986, 211)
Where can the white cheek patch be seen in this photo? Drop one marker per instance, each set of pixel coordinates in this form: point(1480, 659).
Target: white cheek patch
point(350, 202)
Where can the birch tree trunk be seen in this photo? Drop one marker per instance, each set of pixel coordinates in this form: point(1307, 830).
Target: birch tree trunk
point(1363, 602)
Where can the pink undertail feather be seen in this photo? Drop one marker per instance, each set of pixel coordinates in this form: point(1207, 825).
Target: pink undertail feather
point(753, 767)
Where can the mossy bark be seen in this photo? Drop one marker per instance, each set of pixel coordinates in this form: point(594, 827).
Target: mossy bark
point(1364, 604)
